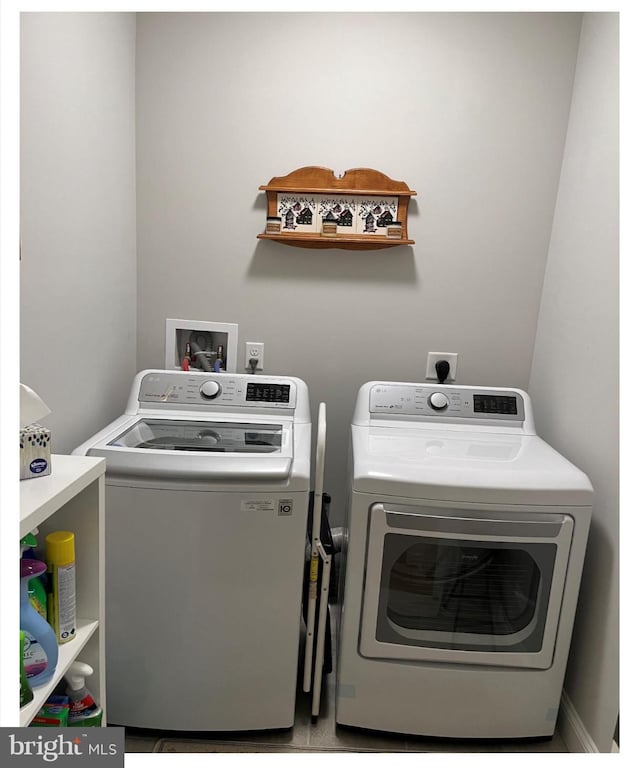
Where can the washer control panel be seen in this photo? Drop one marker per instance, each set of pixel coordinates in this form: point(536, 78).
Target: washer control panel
point(177, 389)
point(442, 401)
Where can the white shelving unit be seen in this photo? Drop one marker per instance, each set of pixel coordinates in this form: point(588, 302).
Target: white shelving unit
point(71, 498)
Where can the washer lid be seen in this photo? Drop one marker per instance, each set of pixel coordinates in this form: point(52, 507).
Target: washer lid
point(464, 466)
point(196, 450)
point(201, 436)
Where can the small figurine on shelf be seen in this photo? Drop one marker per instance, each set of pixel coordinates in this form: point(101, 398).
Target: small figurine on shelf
point(274, 224)
point(329, 227)
point(394, 230)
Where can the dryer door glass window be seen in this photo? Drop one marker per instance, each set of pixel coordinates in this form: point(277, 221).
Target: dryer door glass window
point(465, 594)
point(464, 585)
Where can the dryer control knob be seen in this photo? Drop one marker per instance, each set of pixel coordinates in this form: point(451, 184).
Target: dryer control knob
point(438, 401)
point(210, 389)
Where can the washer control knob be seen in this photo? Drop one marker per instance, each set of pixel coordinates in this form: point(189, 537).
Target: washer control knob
point(210, 389)
point(438, 401)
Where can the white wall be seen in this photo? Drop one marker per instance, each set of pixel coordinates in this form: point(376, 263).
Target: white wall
point(78, 269)
point(574, 376)
point(469, 109)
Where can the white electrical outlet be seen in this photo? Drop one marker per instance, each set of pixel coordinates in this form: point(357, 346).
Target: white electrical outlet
point(254, 350)
point(432, 359)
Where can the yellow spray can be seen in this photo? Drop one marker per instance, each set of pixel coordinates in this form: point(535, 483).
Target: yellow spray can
point(61, 600)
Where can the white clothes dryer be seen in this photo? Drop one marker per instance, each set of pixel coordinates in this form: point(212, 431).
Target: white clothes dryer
point(465, 541)
point(207, 495)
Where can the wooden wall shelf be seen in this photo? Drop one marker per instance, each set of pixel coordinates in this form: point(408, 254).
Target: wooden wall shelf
point(356, 182)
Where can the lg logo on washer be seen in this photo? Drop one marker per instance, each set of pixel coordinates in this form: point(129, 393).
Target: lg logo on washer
point(285, 507)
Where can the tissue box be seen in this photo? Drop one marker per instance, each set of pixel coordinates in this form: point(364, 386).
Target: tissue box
point(35, 451)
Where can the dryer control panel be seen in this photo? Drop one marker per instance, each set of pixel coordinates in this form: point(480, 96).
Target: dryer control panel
point(202, 389)
point(442, 401)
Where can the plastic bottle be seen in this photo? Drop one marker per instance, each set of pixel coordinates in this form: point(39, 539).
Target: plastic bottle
point(37, 587)
point(40, 647)
point(61, 564)
point(26, 694)
point(83, 710)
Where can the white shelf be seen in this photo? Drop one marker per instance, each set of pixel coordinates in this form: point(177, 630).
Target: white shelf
point(40, 497)
point(67, 653)
point(72, 498)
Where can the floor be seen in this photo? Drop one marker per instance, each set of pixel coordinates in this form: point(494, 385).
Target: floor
point(324, 735)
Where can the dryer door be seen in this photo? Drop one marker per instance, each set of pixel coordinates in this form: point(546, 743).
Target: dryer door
point(464, 586)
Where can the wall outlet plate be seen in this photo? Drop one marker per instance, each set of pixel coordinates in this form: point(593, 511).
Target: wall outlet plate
point(254, 350)
point(432, 359)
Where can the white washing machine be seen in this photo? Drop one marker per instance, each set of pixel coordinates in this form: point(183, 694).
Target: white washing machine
point(466, 535)
point(207, 494)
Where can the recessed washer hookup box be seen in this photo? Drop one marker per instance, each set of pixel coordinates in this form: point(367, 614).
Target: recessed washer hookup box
point(35, 451)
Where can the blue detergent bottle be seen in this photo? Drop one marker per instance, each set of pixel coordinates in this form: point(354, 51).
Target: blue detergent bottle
point(40, 646)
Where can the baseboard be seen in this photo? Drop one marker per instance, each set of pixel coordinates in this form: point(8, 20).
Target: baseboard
point(572, 729)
